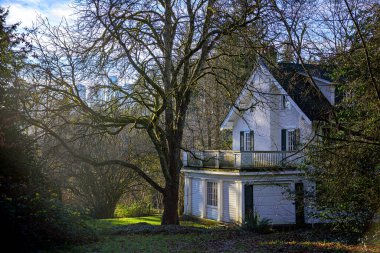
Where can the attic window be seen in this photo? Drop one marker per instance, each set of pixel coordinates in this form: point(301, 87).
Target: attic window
point(285, 103)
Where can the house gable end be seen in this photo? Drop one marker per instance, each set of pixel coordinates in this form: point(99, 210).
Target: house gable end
point(234, 114)
point(261, 71)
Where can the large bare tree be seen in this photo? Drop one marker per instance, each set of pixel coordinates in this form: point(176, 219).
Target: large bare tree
point(140, 61)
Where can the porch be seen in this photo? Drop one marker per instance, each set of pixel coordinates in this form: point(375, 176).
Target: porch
point(229, 159)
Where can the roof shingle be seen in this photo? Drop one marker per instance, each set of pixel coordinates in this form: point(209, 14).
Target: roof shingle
point(300, 88)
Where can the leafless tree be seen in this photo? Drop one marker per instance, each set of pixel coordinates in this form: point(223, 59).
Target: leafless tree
point(142, 60)
point(97, 189)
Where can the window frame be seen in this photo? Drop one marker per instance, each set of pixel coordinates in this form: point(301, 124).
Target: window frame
point(212, 194)
point(247, 141)
point(291, 140)
point(285, 103)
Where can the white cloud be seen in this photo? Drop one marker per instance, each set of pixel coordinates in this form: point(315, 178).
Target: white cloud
point(27, 11)
point(19, 13)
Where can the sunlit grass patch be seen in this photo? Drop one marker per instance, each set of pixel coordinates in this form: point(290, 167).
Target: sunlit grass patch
point(107, 224)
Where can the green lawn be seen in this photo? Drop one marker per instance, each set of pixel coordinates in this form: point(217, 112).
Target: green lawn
point(103, 225)
point(106, 224)
point(144, 243)
point(212, 240)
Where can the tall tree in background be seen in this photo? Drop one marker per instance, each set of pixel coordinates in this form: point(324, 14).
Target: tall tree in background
point(217, 92)
point(344, 36)
point(94, 189)
point(351, 161)
point(158, 51)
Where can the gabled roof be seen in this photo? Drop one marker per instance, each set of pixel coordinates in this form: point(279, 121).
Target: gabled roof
point(315, 70)
point(297, 84)
point(293, 78)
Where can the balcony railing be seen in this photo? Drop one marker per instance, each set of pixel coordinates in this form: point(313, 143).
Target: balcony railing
point(229, 159)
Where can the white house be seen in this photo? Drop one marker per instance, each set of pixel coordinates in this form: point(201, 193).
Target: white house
point(278, 111)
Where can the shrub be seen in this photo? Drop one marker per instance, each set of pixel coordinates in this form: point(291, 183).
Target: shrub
point(32, 214)
point(30, 211)
point(136, 209)
point(255, 224)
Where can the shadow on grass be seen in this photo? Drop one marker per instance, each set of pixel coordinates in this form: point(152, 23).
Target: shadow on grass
point(209, 237)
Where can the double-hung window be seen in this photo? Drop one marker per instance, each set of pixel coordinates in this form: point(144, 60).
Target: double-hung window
point(290, 139)
point(212, 193)
point(247, 141)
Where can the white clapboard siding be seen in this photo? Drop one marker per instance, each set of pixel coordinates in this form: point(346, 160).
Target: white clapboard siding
point(196, 197)
point(271, 202)
point(229, 202)
point(212, 212)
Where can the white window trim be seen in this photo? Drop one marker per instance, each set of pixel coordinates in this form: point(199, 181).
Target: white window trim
point(291, 139)
point(285, 103)
point(213, 194)
point(247, 141)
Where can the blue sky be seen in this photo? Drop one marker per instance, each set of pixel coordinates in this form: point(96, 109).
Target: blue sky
point(26, 11)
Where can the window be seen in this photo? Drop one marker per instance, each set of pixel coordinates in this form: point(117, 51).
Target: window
point(246, 141)
point(212, 194)
point(285, 103)
point(290, 139)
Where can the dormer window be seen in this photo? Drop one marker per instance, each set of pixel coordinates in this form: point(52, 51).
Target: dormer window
point(285, 103)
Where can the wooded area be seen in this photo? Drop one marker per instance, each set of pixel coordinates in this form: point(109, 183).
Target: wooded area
point(95, 114)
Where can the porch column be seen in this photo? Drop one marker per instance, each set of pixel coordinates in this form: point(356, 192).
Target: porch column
point(220, 200)
point(184, 159)
point(240, 200)
point(188, 195)
point(204, 197)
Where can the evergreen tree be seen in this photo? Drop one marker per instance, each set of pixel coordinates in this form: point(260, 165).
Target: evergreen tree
point(31, 216)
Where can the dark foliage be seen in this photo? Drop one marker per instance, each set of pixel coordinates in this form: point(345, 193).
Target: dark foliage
point(255, 224)
point(31, 216)
point(29, 208)
point(347, 160)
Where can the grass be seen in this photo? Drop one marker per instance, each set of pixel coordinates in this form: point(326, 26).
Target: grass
point(214, 240)
point(104, 225)
point(143, 243)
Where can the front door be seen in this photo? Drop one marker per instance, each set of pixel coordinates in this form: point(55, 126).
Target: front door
point(300, 209)
point(248, 201)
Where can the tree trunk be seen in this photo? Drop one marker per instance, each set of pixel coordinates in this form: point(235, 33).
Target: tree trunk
point(170, 215)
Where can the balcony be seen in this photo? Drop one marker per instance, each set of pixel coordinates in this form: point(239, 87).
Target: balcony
point(229, 159)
